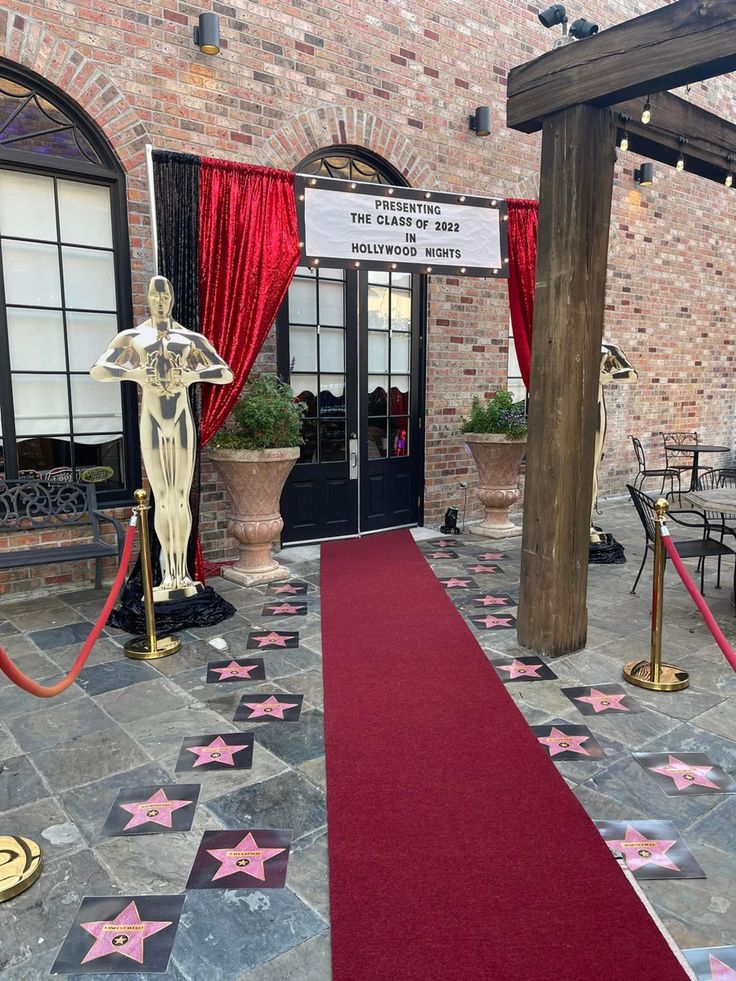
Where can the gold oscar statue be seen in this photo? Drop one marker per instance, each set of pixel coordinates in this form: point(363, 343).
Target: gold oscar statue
point(615, 367)
point(165, 358)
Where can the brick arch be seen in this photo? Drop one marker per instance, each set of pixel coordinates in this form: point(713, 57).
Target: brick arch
point(316, 129)
point(33, 45)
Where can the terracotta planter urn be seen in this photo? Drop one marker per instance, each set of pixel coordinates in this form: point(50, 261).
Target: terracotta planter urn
point(255, 480)
point(497, 459)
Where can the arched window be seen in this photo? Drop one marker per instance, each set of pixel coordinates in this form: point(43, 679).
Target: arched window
point(64, 292)
point(351, 163)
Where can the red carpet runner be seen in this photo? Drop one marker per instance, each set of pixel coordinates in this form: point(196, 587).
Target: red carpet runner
point(457, 852)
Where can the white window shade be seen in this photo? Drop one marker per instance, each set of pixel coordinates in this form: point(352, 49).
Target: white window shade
point(84, 214)
point(95, 405)
point(27, 206)
point(41, 405)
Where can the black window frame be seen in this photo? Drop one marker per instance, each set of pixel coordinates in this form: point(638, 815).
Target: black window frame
point(109, 174)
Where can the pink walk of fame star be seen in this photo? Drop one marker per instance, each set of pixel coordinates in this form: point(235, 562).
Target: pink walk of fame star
point(558, 742)
point(639, 851)
point(278, 640)
point(489, 621)
point(491, 556)
point(453, 583)
point(602, 701)
point(437, 555)
point(235, 670)
point(158, 809)
point(481, 568)
point(122, 935)
point(218, 751)
point(246, 857)
point(283, 608)
point(720, 971)
point(684, 775)
point(286, 588)
point(489, 600)
point(518, 669)
point(271, 708)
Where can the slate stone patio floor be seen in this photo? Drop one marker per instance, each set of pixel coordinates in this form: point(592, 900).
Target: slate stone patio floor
point(62, 762)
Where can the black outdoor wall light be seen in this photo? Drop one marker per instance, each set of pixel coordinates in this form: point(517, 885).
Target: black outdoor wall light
point(207, 34)
point(579, 29)
point(480, 121)
point(644, 175)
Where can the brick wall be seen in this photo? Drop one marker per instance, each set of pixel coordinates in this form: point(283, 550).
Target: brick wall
point(400, 79)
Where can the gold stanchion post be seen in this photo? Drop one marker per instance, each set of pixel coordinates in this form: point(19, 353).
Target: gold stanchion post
point(149, 647)
point(653, 674)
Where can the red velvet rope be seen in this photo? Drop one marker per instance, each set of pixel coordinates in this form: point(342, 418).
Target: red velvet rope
point(33, 687)
point(698, 599)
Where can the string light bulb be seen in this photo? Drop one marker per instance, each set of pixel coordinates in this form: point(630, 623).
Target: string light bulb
point(646, 115)
point(730, 159)
point(624, 144)
point(680, 165)
point(729, 179)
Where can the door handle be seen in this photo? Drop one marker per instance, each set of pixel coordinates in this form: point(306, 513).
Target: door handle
point(353, 450)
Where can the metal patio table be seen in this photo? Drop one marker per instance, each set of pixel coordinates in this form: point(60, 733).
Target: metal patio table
point(695, 449)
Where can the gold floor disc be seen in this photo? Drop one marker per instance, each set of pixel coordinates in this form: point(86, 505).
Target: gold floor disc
point(140, 649)
point(639, 673)
point(20, 865)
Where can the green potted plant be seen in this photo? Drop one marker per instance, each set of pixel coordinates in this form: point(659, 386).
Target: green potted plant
point(254, 453)
point(495, 432)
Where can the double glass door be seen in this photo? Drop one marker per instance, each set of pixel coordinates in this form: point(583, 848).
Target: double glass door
point(350, 345)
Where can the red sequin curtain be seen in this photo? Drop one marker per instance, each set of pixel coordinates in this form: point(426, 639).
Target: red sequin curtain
point(522, 238)
point(248, 252)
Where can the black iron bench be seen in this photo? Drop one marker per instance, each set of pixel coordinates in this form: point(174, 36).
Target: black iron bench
point(34, 505)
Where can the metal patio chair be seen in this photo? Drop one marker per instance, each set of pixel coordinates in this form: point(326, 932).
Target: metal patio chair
point(677, 459)
point(715, 480)
point(690, 548)
point(645, 472)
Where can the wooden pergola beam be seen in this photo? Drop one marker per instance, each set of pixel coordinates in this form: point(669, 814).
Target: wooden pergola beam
point(710, 139)
point(687, 41)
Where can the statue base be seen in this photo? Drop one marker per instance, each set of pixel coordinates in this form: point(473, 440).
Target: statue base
point(21, 867)
point(204, 608)
point(606, 550)
point(163, 595)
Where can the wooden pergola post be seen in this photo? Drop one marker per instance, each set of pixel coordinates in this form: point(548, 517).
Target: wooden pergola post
point(576, 184)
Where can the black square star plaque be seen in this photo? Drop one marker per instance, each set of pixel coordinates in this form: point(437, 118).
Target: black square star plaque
point(254, 859)
point(236, 669)
point(120, 935)
point(269, 708)
point(153, 809)
point(227, 751)
point(650, 849)
point(712, 963)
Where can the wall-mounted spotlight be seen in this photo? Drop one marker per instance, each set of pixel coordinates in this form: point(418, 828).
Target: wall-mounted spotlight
point(207, 34)
point(644, 175)
point(583, 28)
point(480, 121)
point(556, 14)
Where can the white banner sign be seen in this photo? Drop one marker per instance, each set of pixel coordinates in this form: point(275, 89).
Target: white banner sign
point(362, 226)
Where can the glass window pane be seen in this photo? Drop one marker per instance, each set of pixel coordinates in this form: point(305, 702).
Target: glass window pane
point(331, 307)
point(27, 206)
point(399, 436)
point(302, 348)
point(96, 406)
point(41, 404)
point(89, 279)
point(378, 300)
point(38, 456)
point(36, 340)
point(332, 349)
point(402, 279)
point(308, 449)
point(399, 395)
point(375, 276)
point(377, 351)
point(302, 302)
point(400, 310)
point(93, 452)
point(332, 395)
point(376, 439)
point(306, 271)
point(325, 273)
point(332, 445)
point(84, 214)
point(400, 351)
point(377, 395)
point(31, 274)
point(305, 390)
point(88, 335)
